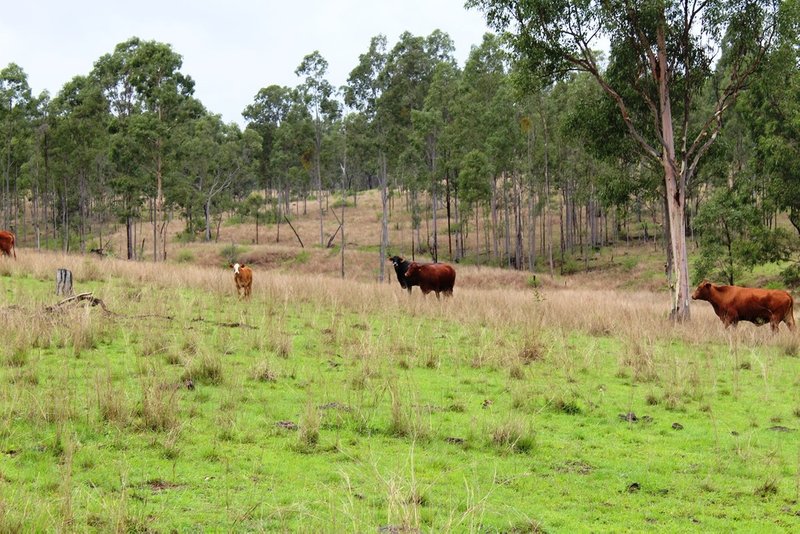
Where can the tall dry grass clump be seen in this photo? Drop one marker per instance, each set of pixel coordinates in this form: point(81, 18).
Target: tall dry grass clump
point(159, 405)
point(205, 368)
point(112, 401)
point(407, 418)
point(513, 434)
point(310, 422)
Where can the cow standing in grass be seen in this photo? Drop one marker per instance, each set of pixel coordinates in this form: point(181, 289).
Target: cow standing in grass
point(437, 277)
point(400, 268)
point(7, 243)
point(243, 278)
point(760, 306)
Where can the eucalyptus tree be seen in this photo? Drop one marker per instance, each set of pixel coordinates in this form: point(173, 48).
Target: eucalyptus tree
point(17, 106)
point(318, 95)
point(78, 124)
point(733, 234)
point(365, 88)
point(406, 79)
point(292, 153)
point(147, 95)
point(212, 156)
point(772, 112)
point(432, 135)
point(662, 53)
point(487, 122)
point(265, 115)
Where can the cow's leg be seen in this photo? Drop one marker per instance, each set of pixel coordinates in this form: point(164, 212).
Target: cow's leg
point(789, 320)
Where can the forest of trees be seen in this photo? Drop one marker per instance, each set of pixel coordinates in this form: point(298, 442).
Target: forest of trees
point(533, 154)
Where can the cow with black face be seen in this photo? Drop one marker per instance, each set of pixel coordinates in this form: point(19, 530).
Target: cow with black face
point(400, 268)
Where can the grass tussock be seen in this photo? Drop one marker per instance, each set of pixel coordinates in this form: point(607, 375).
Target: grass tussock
point(309, 431)
point(205, 368)
point(159, 405)
point(513, 435)
point(112, 401)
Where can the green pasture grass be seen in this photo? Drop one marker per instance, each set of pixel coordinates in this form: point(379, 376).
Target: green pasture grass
point(311, 418)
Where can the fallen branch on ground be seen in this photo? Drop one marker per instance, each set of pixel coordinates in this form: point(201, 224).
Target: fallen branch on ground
point(88, 297)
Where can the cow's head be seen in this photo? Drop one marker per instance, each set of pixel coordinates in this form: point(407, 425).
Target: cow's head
point(236, 267)
point(396, 260)
point(703, 291)
point(413, 270)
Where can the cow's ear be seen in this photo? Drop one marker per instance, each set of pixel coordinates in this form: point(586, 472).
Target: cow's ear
point(242, 265)
point(230, 265)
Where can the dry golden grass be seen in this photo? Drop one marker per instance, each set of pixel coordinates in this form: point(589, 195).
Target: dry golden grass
point(483, 296)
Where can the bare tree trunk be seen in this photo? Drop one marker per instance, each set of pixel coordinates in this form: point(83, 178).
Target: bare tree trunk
point(495, 238)
point(507, 217)
point(385, 214)
point(675, 194)
point(129, 235)
point(518, 252)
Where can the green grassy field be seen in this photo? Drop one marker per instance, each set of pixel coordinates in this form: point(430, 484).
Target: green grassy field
point(328, 406)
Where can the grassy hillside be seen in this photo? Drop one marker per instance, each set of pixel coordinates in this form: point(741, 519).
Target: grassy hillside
point(328, 405)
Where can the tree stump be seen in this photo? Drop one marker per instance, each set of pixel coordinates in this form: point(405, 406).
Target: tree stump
point(64, 282)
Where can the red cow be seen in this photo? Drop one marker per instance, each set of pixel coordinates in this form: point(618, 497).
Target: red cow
point(7, 243)
point(733, 304)
point(243, 278)
point(438, 277)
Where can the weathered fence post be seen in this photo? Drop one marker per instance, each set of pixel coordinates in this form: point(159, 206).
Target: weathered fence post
point(64, 282)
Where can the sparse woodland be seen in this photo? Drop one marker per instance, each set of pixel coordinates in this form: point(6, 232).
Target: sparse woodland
point(551, 393)
point(532, 155)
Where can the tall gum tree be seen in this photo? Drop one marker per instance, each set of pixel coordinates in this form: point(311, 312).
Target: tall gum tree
point(363, 92)
point(146, 94)
point(669, 48)
point(317, 93)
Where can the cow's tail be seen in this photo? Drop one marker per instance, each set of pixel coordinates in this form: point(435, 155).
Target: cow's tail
point(14, 245)
point(789, 317)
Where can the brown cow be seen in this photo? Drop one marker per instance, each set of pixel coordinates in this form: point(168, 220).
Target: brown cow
point(733, 304)
point(7, 243)
point(438, 277)
point(243, 278)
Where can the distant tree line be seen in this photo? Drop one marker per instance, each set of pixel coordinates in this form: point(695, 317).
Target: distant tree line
point(533, 155)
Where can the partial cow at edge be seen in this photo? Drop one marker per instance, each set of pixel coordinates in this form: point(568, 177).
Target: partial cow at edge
point(437, 277)
point(7, 243)
point(243, 278)
point(760, 306)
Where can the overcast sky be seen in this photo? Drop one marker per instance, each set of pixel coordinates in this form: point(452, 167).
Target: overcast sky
point(231, 48)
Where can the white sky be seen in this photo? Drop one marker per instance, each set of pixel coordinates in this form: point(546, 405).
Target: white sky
point(231, 48)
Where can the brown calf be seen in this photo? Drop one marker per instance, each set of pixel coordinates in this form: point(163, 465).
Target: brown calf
point(243, 278)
